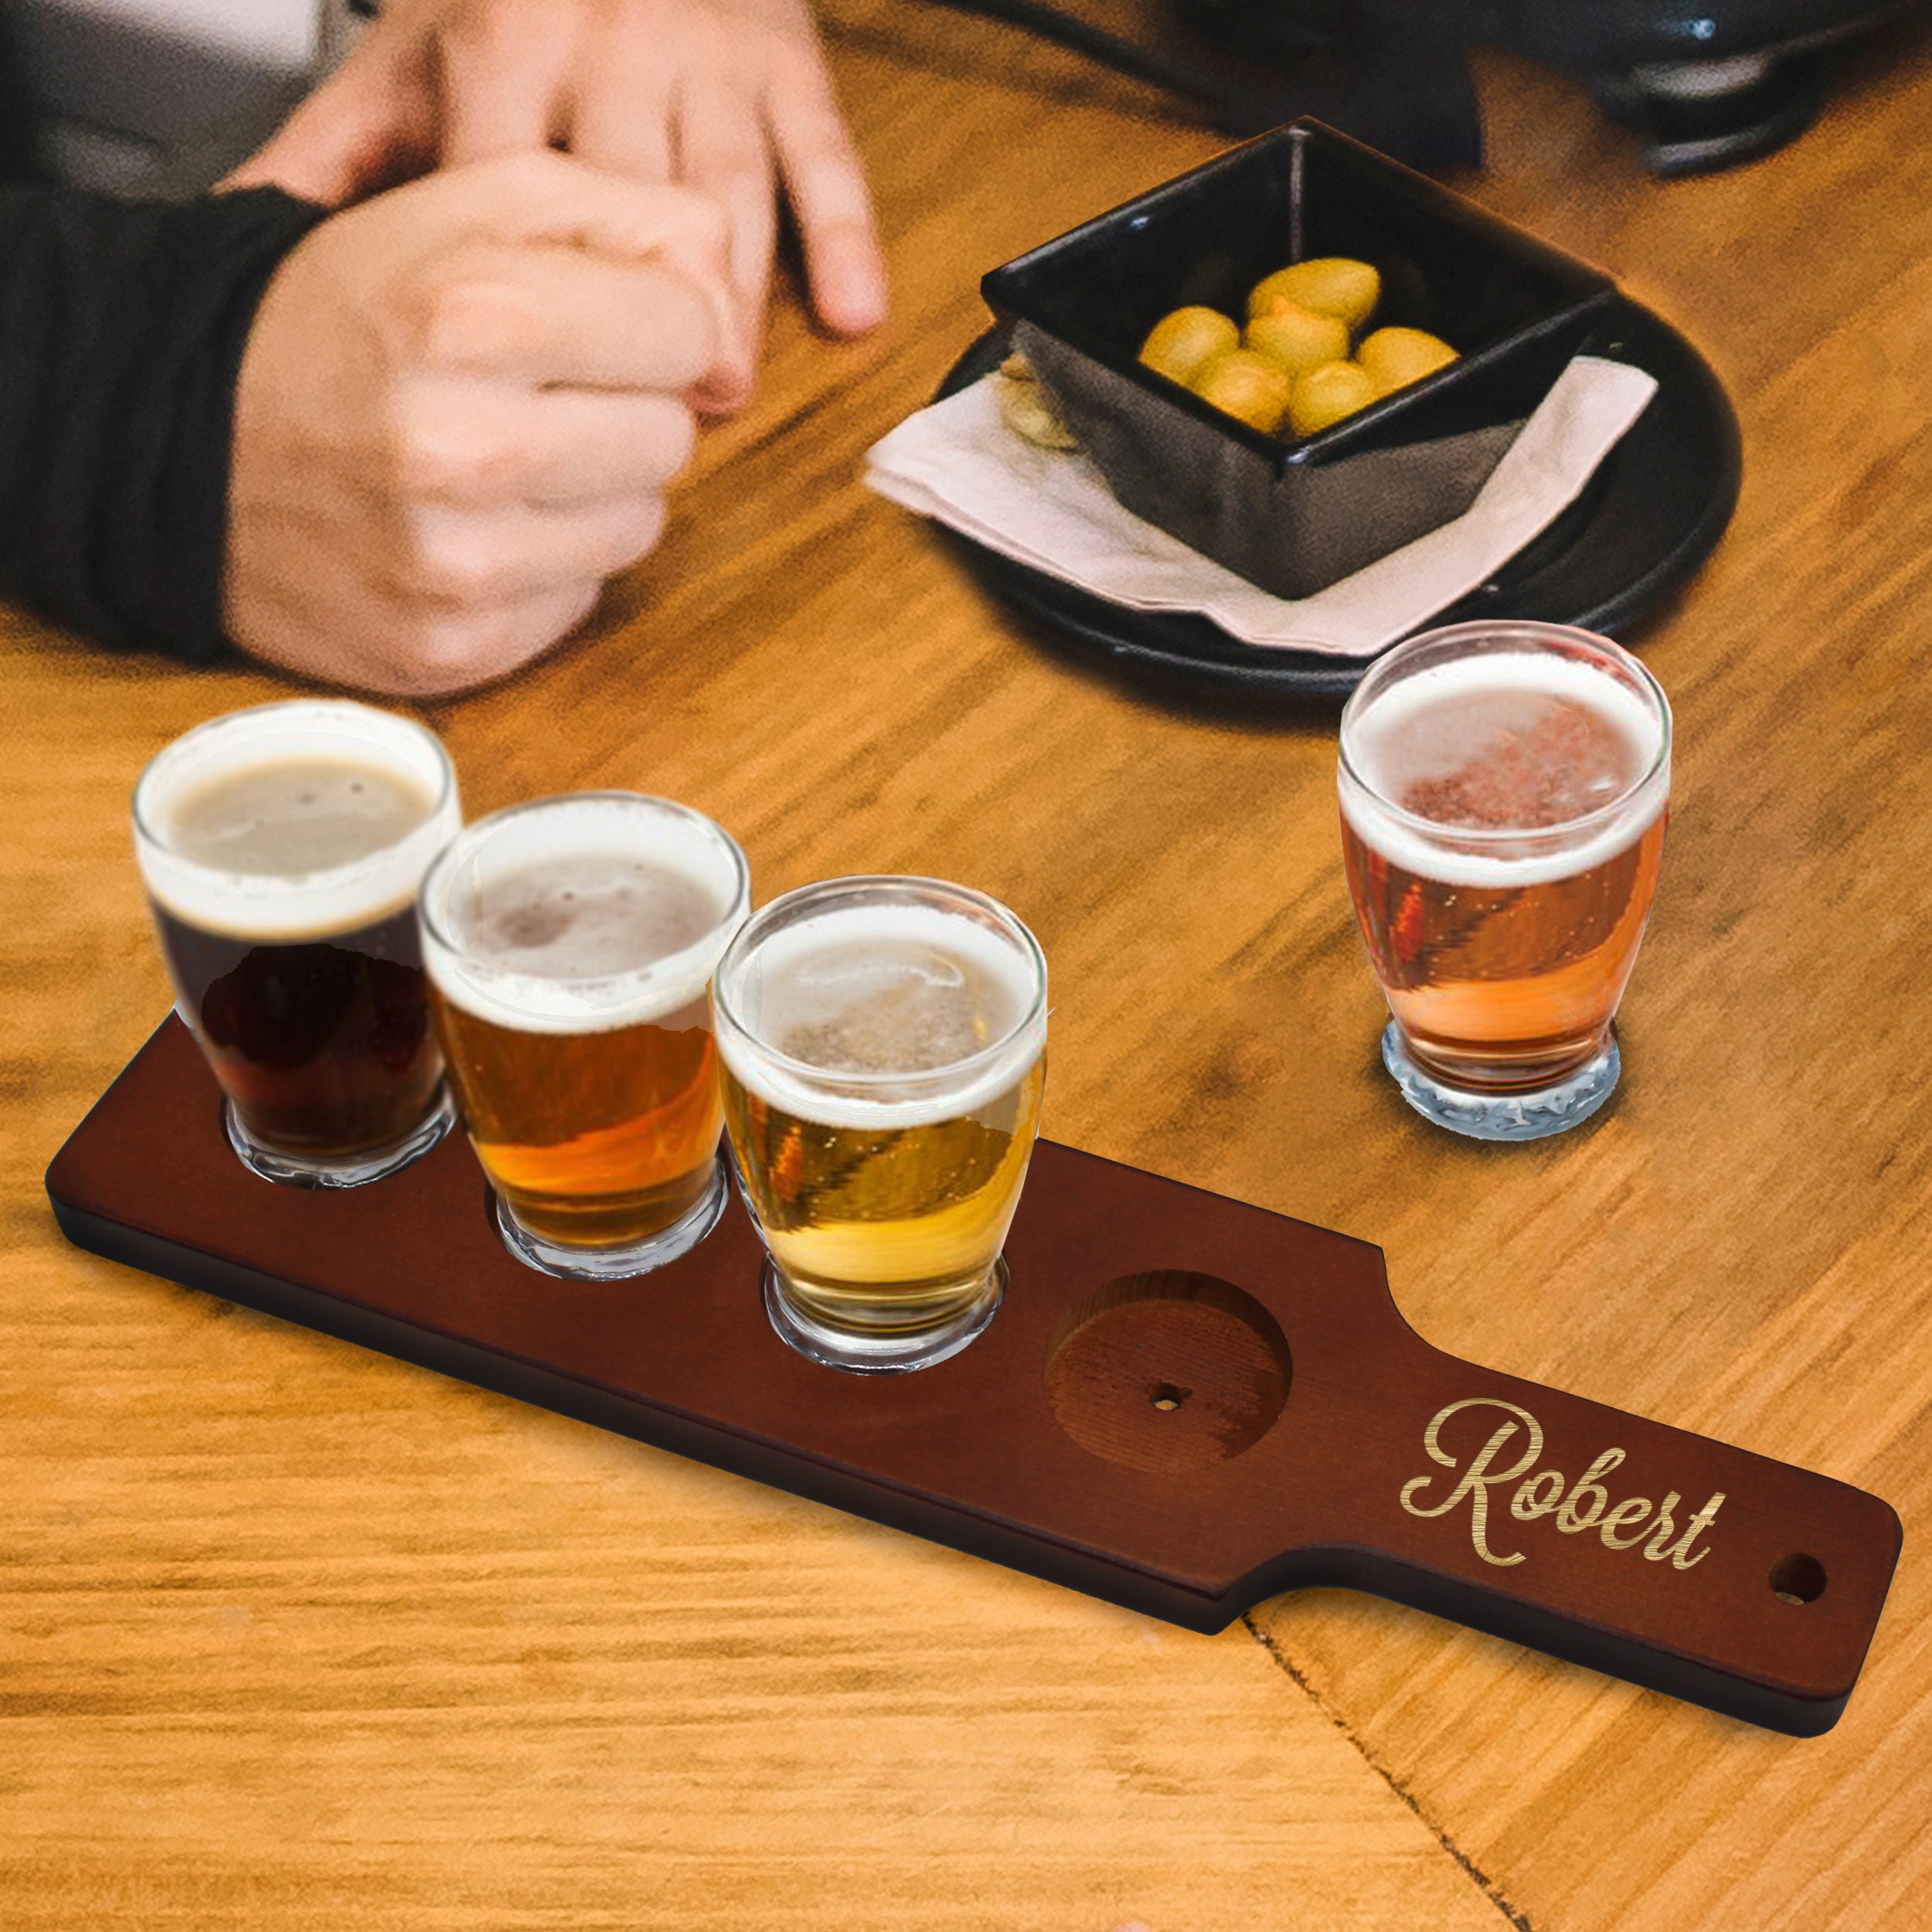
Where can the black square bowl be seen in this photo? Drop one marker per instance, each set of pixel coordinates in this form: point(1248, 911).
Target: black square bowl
point(1293, 515)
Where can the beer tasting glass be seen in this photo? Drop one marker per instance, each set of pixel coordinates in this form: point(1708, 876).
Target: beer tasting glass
point(1504, 790)
point(281, 848)
point(569, 942)
point(883, 1043)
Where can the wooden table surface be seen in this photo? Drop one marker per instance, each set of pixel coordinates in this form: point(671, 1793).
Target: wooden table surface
point(293, 1636)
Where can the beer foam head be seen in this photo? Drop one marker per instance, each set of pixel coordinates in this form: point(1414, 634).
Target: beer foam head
point(578, 915)
point(1555, 766)
point(294, 821)
point(882, 1008)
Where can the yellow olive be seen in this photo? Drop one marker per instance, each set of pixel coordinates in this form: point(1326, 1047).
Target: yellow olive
point(1298, 338)
point(1179, 343)
point(1396, 357)
point(1246, 385)
point(1024, 408)
point(1329, 285)
point(1327, 394)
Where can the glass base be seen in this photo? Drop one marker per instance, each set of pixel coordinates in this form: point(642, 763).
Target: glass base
point(879, 1354)
point(339, 1170)
point(615, 1264)
point(1527, 1116)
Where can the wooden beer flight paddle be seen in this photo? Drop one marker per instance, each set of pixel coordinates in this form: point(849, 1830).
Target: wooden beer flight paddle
point(1186, 1405)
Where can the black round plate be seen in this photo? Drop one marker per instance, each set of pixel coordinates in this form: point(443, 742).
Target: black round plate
point(1648, 518)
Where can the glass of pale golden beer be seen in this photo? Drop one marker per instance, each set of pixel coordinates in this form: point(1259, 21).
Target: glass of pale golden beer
point(569, 942)
point(1504, 791)
point(281, 848)
point(883, 1043)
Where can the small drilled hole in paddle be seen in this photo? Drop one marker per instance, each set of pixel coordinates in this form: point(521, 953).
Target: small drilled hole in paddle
point(1798, 1580)
point(1167, 1398)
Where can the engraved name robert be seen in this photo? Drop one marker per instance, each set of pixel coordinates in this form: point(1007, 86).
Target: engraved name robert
point(1584, 1504)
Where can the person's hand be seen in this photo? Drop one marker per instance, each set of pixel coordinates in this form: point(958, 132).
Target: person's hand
point(728, 97)
point(458, 408)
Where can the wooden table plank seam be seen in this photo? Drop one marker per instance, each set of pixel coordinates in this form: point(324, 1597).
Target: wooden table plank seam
point(1476, 1876)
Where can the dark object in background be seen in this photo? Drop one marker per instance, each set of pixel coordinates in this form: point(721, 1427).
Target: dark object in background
point(18, 127)
point(1410, 97)
point(159, 98)
point(1708, 83)
point(1295, 516)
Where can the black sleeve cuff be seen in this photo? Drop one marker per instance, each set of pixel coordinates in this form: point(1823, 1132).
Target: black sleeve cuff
point(122, 325)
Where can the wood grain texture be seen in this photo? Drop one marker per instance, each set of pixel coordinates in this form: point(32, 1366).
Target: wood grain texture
point(291, 1636)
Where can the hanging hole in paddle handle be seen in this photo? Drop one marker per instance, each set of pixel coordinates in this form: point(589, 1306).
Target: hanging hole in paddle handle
point(1798, 1579)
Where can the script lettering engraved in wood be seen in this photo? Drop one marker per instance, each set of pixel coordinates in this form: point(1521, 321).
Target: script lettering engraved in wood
point(1582, 1505)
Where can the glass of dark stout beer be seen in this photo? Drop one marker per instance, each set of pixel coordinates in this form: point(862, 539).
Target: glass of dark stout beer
point(884, 1044)
point(1504, 791)
point(281, 848)
point(569, 942)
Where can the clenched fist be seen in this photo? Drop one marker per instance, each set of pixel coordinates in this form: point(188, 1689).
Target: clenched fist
point(457, 413)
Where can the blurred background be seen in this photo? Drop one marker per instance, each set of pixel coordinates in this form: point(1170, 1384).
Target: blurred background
point(160, 95)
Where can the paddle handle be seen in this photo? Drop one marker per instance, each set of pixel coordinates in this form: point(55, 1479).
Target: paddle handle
point(1666, 1558)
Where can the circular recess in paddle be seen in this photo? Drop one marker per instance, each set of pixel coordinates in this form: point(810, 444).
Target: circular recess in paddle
point(1168, 1371)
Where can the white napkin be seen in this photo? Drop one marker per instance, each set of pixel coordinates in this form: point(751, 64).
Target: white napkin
point(959, 462)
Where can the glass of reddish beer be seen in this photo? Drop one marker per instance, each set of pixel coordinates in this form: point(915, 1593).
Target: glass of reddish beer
point(1504, 790)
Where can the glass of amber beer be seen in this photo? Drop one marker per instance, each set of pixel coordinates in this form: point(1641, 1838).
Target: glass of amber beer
point(884, 1049)
point(1504, 792)
point(569, 942)
point(281, 848)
